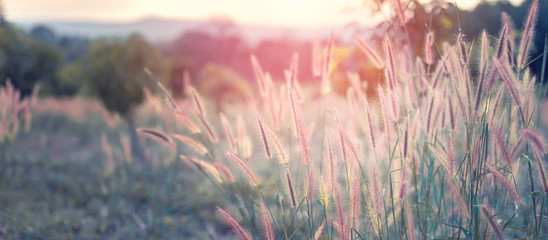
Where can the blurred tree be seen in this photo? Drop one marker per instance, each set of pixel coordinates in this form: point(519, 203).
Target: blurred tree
point(73, 48)
point(2, 13)
point(114, 72)
point(194, 50)
point(69, 50)
point(43, 34)
point(26, 61)
point(223, 85)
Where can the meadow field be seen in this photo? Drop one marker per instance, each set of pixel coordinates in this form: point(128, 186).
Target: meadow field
point(448, 144)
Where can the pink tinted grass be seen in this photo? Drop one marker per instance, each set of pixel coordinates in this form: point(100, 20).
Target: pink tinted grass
point(303, 142)
point(234, 224)
point(373, 56)
point(158, 136)
point(355, 201)
point(316, 59)
point(259, 75)
point(229, 133)
point(501, 41)
point(451, 112)
point(385, 114)
point(509, 80)
point(401, 17)
point(503, 147)
point(263, 135)
point(462, 47)
point(310, 182)
point(267, 225)
point(253, 179)
point(391, 70)
point(429, 116)
point(496, 228)
point(183, 119)
point(199, 148)
point(527, 36)
point(319, 232)
point(327, 62)
point(376, 189)
point(535, 139)
point(510, 188)
point(208, 127)
point(198, 103)
point(428, 54)
point(290, 188)
point(410, 224)
point(225, 171)
point(341, 215)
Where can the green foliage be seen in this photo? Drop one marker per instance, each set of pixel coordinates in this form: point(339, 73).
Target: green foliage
point(114, 71)
point(26, 61)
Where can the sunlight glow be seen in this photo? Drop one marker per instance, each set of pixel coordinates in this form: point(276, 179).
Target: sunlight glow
point(287, 13)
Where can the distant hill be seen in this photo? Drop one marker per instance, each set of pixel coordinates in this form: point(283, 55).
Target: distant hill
point(161, 30)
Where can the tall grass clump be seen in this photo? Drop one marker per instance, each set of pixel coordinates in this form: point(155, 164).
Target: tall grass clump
point(436, 152)
point(14, 111)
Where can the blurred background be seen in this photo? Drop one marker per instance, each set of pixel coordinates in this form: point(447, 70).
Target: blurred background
point(78, 70)
point(61, 45)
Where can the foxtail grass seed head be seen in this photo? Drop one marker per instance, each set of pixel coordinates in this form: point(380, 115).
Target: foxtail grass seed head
point(527, 35)
point(267, 225)
point(484, 51)
point(198, 105)
point(480, 88)
point(391, 70)
point(303, 141)
point(156, 135)
point(327, 68)
point(259, 75)
point(429, 118)
point(229, 133)
point(263, 135)
point(341, 215)
point(375, 188)
point(316, 58)
point(410, 224)
point(428, 54)
point(462, 47)
point(231, 221)
point(501, 42)
point(198, 147)
point(509, 80)
point(209, 128)
point(290, 188)
point(225, 171)
point(183, 119)
point(385, 114)
point(324, 194)
point(510, 188)
point(369, 52)
point(319, 231)
point(451, 112)
point(535, 139)
point(486, 210)
point(253, 179)
point(284, 159)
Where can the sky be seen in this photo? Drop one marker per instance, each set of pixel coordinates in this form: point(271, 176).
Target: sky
point(287, 13)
